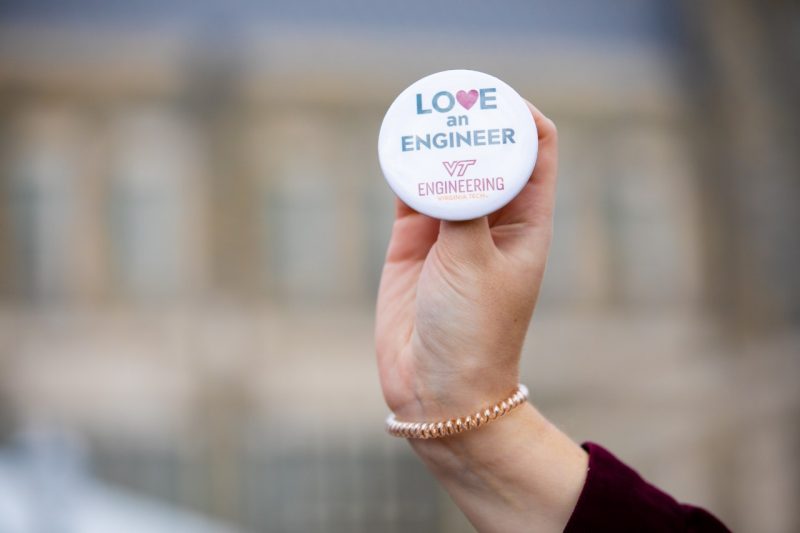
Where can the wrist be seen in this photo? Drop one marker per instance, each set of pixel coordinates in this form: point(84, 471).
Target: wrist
point(485, 447)
point(521, 462)
point(454, 405)
point(455, 393)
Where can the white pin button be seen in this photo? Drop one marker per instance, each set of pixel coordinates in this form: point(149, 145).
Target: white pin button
point(457, 145)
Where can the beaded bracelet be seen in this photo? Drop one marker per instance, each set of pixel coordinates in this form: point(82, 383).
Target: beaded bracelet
point(432, 430)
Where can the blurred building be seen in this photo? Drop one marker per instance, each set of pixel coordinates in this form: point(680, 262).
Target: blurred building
point(193, 222)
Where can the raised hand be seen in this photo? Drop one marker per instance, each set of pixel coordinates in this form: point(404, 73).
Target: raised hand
point(456, 298)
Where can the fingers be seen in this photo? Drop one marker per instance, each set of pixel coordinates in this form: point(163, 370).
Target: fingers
point(466, 240)
point(533, 206)
point(401, 209)
point(413, 234)
point(545, 172)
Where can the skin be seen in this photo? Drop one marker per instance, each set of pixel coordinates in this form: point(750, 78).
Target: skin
point(454, 305)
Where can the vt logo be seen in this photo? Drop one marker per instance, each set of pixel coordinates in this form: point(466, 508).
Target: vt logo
point(458, 167)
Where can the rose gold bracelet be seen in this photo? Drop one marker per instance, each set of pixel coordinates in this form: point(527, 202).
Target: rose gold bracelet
point(433, 430)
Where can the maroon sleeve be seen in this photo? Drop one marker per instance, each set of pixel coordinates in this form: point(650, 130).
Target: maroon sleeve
point(616, 498)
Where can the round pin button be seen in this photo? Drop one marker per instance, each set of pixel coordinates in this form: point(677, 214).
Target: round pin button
point(457, 145)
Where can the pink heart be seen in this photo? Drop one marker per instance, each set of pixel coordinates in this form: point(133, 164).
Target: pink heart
point(467, 99)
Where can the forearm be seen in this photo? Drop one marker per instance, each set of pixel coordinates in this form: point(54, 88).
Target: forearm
point(519, 473)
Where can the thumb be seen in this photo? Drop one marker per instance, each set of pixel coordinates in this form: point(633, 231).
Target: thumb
point(466, 240)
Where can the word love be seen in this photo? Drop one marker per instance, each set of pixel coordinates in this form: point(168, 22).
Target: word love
point(444, 101)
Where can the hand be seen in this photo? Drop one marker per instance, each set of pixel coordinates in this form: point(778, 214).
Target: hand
point(456, 298)
point(453, 308)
